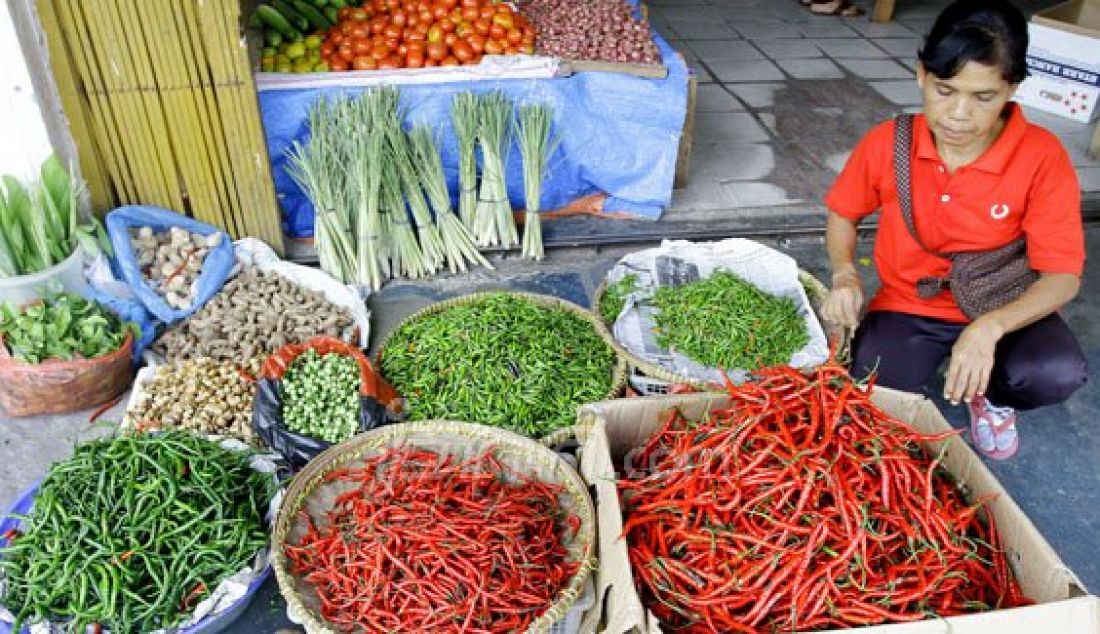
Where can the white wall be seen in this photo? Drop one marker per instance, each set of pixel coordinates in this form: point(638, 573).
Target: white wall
point(24, 140)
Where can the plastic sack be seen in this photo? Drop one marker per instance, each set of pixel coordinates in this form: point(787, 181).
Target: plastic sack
point(215, 267)
point(104, 285)
point(378, 402)
point(679, 262)
point(56, 386)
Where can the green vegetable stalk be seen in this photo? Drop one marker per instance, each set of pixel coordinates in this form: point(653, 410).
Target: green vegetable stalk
point(63, 327)
point(725, 322)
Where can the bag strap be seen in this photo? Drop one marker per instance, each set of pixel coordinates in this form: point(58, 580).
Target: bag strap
point(903, 144)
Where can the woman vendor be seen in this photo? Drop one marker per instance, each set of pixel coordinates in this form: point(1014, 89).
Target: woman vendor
point(980, 177)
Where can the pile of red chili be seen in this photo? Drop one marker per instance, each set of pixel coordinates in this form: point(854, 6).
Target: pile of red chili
point(803, 506)
point(427, 543)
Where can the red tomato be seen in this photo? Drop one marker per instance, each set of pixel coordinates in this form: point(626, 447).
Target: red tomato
point(336, 38)
point(437, 51)
point(435, 34)
point(470, 14)
point(343, 14)
point(346, 52)
point(477, 43)
point(470, 3)
point(358, 15)
point(529, 31)
point(364, 63)
point(482, 26)
point(510, 49)
point(528, 40)
point(346, 27)
point(392, 43)
point(431, 63)
point(413, 19)
point(419, 47)
point(439, 12)
point(380, 52)
point(393, 5)
point(392, 31)
point(423, 5)
point(361, 46)
point(379, 6)
point(504, 20)
point(455, 15)
point(450, 39)
point(528, 49)
point(487, 11)
point(464, 29)
point(327, 49)
point(450, 61)
point(360, 29)
point(337, 64)
point(462, 51)
point(497, 32)
point(514, 36)
point(414, 59)
point(378, 24)
point(402, 51)
point(447, 26)
point(414, 35)
point(399, 18)
point(493, 47)
point(389, 63)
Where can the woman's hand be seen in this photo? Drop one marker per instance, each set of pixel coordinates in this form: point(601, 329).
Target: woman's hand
point(972, 361)
point(845, 301)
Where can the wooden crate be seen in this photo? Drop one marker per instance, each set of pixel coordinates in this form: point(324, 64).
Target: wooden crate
point(160, 99)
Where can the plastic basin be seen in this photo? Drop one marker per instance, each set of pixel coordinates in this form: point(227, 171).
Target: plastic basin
point(67, 276)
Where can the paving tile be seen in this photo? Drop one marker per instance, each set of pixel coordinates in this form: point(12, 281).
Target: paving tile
point(702, 29)
point(700, 71)
point(850, 48)
point(701, 193)
point(836, 161)
point(738, 127)
point(758, 195)
point(727, 162)
point(690, 13)
point(826, 29)
point(879, 29)
point(788, 48)
point(876, 68)
point(756, 95)
point(1090, 178)
point(903, 47)
point(902, 93)
point(920, 26)
point(911, 63)
point(746, 70)
point(715, 98)
point(811, 68)
point(769, 121)
point(728, 49)
point(760, 29)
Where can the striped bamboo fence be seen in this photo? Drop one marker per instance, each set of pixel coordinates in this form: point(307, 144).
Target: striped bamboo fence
point(160, 98)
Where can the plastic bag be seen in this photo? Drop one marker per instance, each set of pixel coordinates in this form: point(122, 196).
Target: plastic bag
point(106, 287)
point(378, 402)
point(215, 267)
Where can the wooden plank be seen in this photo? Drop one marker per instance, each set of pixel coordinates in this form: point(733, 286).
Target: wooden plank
point(687, 138)
point(648, 71)
point(883, 11)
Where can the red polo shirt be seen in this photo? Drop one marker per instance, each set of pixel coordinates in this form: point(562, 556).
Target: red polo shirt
point(1024, 184)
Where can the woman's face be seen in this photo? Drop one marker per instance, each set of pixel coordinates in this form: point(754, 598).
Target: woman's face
point(963, 111)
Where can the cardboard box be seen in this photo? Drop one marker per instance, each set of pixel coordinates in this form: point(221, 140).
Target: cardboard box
point(1064, 59)
point(611, 429)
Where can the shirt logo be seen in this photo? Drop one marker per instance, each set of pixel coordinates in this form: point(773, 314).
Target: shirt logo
point(998, 211)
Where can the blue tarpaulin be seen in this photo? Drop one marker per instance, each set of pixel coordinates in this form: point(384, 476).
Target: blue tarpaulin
point(620, 135)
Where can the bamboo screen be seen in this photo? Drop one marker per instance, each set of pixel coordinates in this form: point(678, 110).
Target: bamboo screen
point(160, 99)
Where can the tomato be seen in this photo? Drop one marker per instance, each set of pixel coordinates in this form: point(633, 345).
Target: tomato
point(431, 63)
point(364, 63)
point(435, 34)
point(450, 38)
point(477, 43)
point(380, 52)
point(437, 51)
point(423, 5)
point(416, 46)
point(359, 30)
point(450, 4)
point(379, 6)
point(504, 20)
point(528, 40)
point(361, 46)
point(346, 52)
point(327, 49)
point(389, 63)
point(393, 5)
point(414, 60)
point(482, 26)
point(378, 40)
point(470, 3)
point(336, 39)
point(464, 29)
point(377, 25)
point(470, 14)
point(403, 51)
point(510, 49)
point(450, 61)
point(392, 43)
point(414, 35)
point(497, 32)
point(447, 26)
point(392, 31)
point(337, 64)
point(493, 47)
point(528, 49)
point(462, 51)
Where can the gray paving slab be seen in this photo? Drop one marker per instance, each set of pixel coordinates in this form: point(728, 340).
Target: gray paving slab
point(1090, 178)
point(823, 28)
point(903, 93)
point(736, 127)
point(758, 195)
point(876, 68)
point(880, 29)
point(756, 95)
point(701, 194)
point(715, 98)
point(724, 162)
point(778, 49)
point(700, 71)
point(754, 70)
point(903, 47)
point(701, 29)
point(810, 68)
point(760, 29)
point(851, 47)
point(713, 50)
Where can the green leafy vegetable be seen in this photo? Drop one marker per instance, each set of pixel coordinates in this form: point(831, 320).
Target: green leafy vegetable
point(62, 327)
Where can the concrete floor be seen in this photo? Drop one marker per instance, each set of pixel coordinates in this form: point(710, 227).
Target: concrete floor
point(784, 96)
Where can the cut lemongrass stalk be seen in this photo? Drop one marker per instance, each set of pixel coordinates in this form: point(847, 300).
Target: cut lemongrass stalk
point(494, 224)
point(464, 119)
point(431, 244)
point(536, 147)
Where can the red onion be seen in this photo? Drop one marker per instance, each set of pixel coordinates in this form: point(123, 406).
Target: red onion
point(596, 30)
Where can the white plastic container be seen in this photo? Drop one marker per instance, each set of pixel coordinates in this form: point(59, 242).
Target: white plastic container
point(66, 276)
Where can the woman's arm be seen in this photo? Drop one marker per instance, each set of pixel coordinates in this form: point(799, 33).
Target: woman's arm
point(842, 306)
point(972, 356)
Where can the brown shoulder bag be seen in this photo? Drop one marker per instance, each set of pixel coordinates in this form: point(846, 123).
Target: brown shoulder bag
point(981, 281)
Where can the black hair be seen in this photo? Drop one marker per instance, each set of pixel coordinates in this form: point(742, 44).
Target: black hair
point(990, 32)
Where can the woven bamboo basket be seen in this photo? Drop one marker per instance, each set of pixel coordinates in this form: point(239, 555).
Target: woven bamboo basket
point(618, 380)
point(307, 493)
point(652, 379)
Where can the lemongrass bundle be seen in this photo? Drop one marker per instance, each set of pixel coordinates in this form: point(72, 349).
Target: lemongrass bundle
point(405, 254)
point(431, 244)
point(458, 244)
point(493, 222)
point(464, 119)
point(535, 146)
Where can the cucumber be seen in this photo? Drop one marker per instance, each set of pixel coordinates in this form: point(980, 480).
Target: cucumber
point(275, 20)
point(320, 4)
point(273, 38)
point(333, 14)
point(297, 19)
point(255, 22)
point(339, 4)
point(316, 19)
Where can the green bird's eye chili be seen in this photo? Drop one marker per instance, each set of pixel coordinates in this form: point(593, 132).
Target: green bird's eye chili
point(132, 532)
point(614, 297)
point(500, 360)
